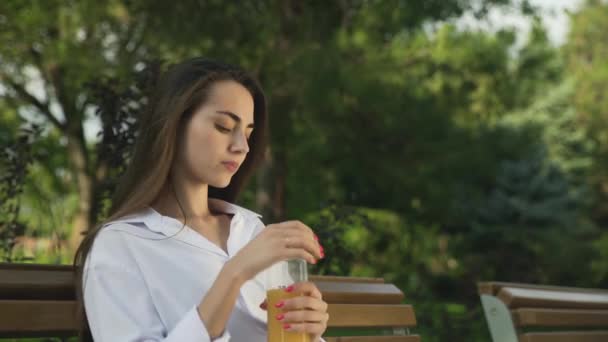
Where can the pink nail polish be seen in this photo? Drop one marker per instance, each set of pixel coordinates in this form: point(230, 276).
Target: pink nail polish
point(280, 317)
point(279, 304)
point(289, 288)
point(286, 326)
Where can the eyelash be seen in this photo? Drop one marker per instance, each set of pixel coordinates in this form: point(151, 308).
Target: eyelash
point(223, 129)
point(226, 130)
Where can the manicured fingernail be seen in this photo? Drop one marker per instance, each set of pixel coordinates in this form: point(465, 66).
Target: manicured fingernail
point(316, 238)
point(280, 317)
point(289, 288)
point(286, 326)
point(279, 304)
point(263, 305)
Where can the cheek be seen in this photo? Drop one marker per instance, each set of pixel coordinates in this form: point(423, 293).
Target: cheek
point(201, 147)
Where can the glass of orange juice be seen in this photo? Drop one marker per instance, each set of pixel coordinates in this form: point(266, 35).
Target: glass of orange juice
point(284, 274)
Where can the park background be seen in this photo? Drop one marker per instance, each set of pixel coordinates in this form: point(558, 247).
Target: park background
point(434, 143)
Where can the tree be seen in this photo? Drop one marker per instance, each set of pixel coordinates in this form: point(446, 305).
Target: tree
point(60, 46)
point(50, 50)
point(586, 53)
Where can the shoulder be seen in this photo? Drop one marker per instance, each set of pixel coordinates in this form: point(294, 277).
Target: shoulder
point(113, 240)
point(144, 223)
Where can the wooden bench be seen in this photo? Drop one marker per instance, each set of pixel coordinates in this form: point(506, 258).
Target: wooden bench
point(39, 301)
point(534, 313)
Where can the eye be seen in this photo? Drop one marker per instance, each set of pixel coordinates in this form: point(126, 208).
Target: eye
point(222, 129)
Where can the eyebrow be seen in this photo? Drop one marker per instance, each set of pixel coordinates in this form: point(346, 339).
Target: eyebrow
point(234, 117)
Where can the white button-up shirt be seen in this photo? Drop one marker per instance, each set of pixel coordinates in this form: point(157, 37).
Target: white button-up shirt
point(146, 274)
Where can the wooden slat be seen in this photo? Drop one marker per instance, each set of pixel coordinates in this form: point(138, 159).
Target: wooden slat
point(493, 287)
point(595, 336)
point(532, 298)
point(32, 281)
point(32, 318)
point(370, 316)
point(35, 281)
point(560, 318)
point(411, 338)
point(357, 293)
point(34, 267)
point(315, 278)
point(38, 300)
point(22, 318)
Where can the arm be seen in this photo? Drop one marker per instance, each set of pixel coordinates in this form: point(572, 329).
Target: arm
point(119, 305)
point(215, 308)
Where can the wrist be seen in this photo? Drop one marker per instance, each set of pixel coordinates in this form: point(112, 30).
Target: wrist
point(235, 273)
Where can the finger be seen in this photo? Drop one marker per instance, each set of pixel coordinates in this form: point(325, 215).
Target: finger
point(310, 328)
point(299, 225)
point(299, 253)
point(302, 316)
point(307, 288)
point(296, 238)
point(304, 303)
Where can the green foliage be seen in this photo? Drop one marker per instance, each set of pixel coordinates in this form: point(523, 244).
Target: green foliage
point(421, 153)
point(586, 53)
point(15, 158)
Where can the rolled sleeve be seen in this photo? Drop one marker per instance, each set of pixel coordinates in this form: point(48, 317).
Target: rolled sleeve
point(191, 328)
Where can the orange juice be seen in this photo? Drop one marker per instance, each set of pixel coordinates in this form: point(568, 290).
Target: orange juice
point(276, 333)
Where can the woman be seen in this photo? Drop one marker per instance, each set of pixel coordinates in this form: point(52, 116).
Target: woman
point(176, 260)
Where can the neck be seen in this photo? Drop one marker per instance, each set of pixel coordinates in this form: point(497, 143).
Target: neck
point(182, 200)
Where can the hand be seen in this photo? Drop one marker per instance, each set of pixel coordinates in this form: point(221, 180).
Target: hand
point(307, 313)
point(278, 242)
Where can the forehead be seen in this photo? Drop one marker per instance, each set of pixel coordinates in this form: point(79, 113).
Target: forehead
point(233, 97)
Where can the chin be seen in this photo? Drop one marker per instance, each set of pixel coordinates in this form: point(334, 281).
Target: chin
point(221, 183)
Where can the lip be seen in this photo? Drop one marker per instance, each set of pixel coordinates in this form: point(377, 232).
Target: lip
point(231, 166)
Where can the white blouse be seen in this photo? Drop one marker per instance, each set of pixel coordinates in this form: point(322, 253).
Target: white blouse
point(145, 276)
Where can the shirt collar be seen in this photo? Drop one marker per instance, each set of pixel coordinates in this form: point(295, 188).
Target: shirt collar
point(168, 226)
point(229, 208)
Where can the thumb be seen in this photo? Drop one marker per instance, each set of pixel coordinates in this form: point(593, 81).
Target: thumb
point(264, 305)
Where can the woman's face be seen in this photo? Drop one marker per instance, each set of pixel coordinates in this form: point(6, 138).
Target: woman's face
point(215, 140)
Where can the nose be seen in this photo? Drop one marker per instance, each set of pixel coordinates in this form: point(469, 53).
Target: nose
point(239, 143)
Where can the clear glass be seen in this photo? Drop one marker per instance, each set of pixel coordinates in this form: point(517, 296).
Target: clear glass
point(281, 276)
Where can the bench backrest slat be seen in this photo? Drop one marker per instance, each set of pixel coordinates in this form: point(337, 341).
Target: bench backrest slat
point(37, 318)
point(493, 287)
point(560, 318)
point(25, 281)
point(595, 336)
point(371, 316)
point(411, 338)
point(316, 278)
point(365, 293)
point(519, 298)
point(39, 300)
point(537, 313)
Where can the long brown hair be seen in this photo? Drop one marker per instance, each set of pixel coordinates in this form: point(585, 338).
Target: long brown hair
point(182, 89)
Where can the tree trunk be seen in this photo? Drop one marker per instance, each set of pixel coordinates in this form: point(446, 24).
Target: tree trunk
point(77, 156)
point(281, 124)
